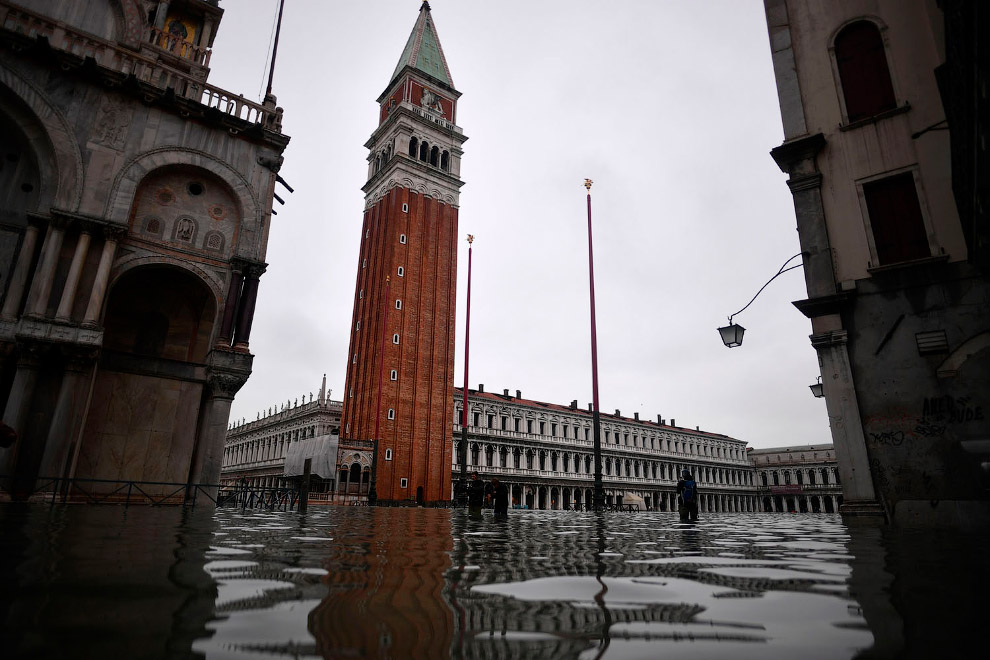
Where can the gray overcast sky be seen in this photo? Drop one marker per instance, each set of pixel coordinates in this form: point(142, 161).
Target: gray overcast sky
point(670, 107)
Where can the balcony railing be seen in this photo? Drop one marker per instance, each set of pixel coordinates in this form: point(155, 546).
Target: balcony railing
point(145, 69)
point(178, 46)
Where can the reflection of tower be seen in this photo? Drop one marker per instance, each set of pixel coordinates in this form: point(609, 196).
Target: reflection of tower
point(409, 235)
point(386, 586)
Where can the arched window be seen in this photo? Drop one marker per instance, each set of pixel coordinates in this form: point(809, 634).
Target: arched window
point(862, 63)
point(413, 146)
point(424, 151)
point(435, 156)
point(445, 161)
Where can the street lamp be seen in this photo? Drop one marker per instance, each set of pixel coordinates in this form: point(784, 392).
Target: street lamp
point(818, 389)
point(732, 334)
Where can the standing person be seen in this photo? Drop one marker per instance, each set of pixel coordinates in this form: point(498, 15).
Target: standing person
point(500, 498)
point(476, 495)
point(687, 497)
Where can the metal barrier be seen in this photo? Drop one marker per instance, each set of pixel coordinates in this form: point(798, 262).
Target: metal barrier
point(126, 492)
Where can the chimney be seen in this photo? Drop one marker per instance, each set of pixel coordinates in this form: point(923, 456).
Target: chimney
point(505, 392)
point(636, 416)
point(617, 413)
point(673, 422)
point(697, 428)
point(518, 394)
point(659, 419)
point(574, 404)
point(481, 387)
point(591, 407)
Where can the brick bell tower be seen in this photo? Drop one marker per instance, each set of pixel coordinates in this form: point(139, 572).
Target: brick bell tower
point(400, 366)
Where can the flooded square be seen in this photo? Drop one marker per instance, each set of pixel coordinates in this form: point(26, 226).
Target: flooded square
point(356, 582)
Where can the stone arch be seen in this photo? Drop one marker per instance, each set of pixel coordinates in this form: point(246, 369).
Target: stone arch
point(126, 184)
point(161, 311)
point(950, 367)
point(132, 260)
point(47, 130)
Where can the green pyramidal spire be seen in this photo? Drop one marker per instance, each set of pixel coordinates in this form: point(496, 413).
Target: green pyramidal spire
point(423, 51)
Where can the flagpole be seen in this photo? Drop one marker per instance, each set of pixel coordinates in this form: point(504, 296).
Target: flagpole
point(599, 493)
point(278, 29)
point(462, 459)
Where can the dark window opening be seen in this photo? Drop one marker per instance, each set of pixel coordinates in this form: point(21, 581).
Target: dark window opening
point(863, 71)
point(895, 218)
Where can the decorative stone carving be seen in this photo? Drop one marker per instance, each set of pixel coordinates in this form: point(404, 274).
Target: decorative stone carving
point(112, 122)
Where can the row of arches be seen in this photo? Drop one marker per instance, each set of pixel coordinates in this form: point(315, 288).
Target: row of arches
point(801, 503)
point(628, 436)
point(419, 149)
point(264, 449)
point(582, 463)
point(812, 476)
point(559, 497)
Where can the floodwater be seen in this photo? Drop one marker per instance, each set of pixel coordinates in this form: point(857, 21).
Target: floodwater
point(357, 582)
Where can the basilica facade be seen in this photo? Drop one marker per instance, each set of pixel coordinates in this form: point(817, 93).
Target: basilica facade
point(135, 208)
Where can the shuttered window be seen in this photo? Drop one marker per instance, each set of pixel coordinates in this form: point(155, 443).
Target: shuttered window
point(895, 218)
point(863, 71)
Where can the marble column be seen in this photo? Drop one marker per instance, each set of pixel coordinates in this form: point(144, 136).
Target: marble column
point(249, 297)
point(231, 305)
point(67, 415)
point(72, 281)
point(226, 373)
point(99, 291)
point(846, 423)
point(15, 460)
point(44, 274)
point(19, 278)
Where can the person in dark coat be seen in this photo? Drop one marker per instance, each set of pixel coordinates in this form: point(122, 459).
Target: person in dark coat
point(476, 495)
point(500, 498)
point(687, 497)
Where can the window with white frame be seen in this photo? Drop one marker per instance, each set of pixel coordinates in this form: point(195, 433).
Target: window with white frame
point(403, 483)
point(393, 375)
point(398, 303)
point(388, 454)
point(402, 238)
point(391, 413)
point(896, 220)
point(395, 338)
point(401, 271)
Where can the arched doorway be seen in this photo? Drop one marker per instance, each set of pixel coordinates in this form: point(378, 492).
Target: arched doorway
point(142, 424)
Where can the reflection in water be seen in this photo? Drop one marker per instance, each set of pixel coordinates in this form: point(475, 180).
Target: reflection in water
point(354, 582)
point(100, 582)
point(386, 586)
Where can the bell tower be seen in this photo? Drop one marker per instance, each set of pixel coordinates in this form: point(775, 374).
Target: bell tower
point(400, 365)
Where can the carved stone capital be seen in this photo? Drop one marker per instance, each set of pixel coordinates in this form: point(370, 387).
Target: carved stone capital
point(255, 270)
point(798, 156)
point(272, 163)
point(79, 359)
point(829, 339)
point(114, 233)
point(227, 371)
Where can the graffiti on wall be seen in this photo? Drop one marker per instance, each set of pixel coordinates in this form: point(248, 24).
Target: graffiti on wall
point(937, 414)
